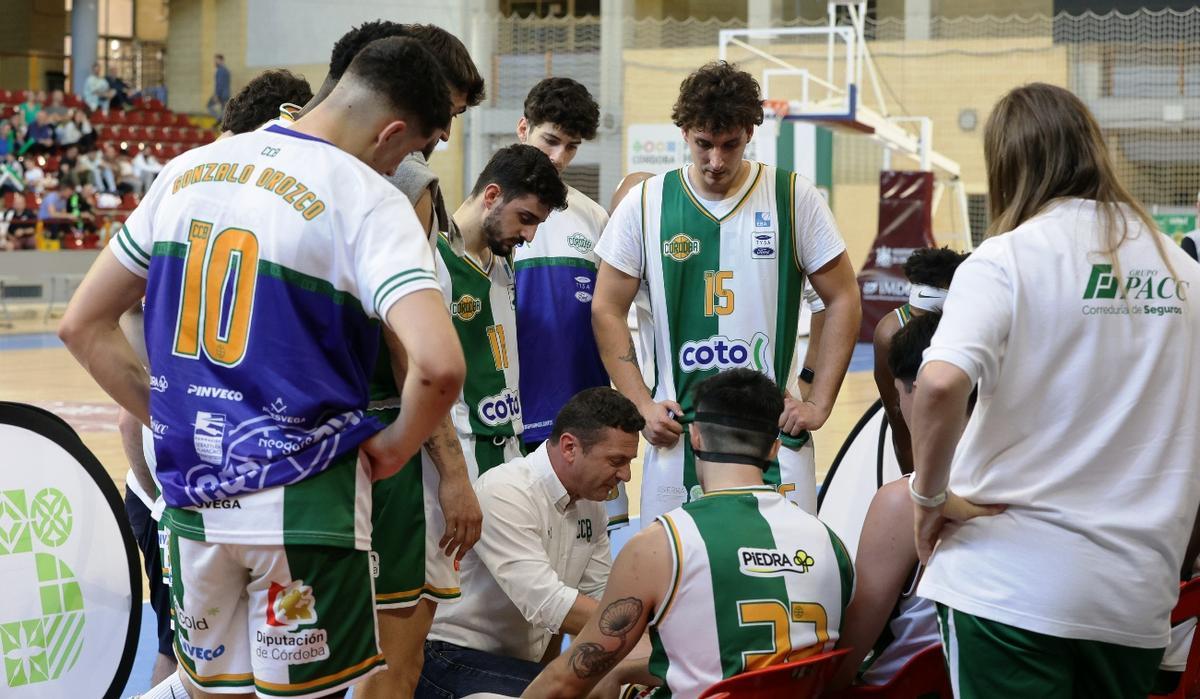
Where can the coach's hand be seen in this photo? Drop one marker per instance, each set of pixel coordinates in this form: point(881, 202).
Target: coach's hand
point(929, 522)
point(662, 429)
point(800, 415)
point(464, 519)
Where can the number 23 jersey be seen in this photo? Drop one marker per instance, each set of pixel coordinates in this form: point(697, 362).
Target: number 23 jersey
point(269, 258)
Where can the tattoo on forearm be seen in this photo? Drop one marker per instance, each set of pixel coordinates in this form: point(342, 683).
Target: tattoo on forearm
point(591, 660)
point(616, 620)
point(631, 356)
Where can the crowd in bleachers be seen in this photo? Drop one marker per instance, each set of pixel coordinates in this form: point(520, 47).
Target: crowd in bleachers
point(72, 166)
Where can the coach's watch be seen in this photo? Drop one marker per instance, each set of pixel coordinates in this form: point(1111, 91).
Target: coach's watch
point(806, 375)
point(923, 501)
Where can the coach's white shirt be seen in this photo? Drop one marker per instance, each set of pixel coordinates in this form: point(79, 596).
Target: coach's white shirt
point(538, 551)
point(1082, 428)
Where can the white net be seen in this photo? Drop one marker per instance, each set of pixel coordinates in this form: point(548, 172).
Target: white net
point(1139, 73)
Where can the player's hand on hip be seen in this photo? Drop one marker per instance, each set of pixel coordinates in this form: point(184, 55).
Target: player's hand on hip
point(382, 457)
point(662, 429)
point(799, 415)
point(464, 519)
point(929, 523)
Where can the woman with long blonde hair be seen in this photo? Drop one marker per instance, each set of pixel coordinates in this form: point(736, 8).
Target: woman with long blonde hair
point(1054, 523)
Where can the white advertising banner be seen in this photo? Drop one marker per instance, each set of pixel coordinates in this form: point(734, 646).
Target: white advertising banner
point(71, 607)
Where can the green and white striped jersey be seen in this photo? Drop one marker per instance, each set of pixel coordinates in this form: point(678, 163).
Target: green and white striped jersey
point(755, 581)
point(725, 278)
point(482, 305)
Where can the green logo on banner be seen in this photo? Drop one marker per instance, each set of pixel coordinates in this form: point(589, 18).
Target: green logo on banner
point(41, 649)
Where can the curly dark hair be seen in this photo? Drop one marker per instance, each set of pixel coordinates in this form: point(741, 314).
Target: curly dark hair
point(565, 103)
point(418, 92)
point(909, 345)
point(258, 102)
point(933, 266)
point(718, 97)
point(519, 170)
point(456, 61)
point(354, 40)
point(593, 410)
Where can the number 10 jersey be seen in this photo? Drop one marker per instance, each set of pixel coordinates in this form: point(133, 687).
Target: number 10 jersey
point(269, 258)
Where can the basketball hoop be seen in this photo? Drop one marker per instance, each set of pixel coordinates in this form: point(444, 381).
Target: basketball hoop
point(775, 109)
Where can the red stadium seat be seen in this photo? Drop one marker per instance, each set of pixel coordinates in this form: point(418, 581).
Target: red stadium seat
point(72, 100)
point(9, 97)
point(803, 678)
point(51, 164)
point(117, 116)
point(32, 201)
point(924, 675)
point(1188, 607)
point(182, 120)
point(129, 202)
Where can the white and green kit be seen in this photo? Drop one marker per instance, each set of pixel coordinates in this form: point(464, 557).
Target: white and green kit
point(482, 305)
point(725, 282)
point(771, 588)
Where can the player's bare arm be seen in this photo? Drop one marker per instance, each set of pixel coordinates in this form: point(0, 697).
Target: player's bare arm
point(615, 292)
point(816, 326)
point(901, 439)
point(638, 580)
point(836, 285)
point(460, 507)
point(886, 555)
point(91, 330)
point(435, 376)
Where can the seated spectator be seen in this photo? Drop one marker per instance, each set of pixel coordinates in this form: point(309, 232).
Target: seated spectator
point(7, 144)
point(67, 133)
point(35, 178)
point(80, 207)
point(127, 179)
point(737, 580)
point(87, 133)
point(96, 92)
point(93, 167)
point(145, 168)
point(21, 223)
point(40, 136)
point(11, 174)
point(31, 106)
point(19, 128)
point(56, 110)
point(53, 214)
point(260, 100)
point(120, 89)
point(887, 623)
point(543, 557)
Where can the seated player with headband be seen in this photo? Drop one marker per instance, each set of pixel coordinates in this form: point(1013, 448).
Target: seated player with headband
point(929, 270)
point(741, 546)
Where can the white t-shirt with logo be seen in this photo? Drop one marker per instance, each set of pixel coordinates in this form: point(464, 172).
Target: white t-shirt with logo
point(1082, 428)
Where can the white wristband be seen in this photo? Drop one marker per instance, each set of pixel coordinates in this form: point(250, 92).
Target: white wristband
point(922, 500)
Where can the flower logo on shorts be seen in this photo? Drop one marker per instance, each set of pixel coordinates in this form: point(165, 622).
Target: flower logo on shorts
point(291, 605)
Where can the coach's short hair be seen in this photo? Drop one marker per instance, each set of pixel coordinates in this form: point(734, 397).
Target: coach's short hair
point(909, 345)
point(718, 97)
point(752, 400)
point(593, 410)
point(519, 170)
point(258, 102)
point(456, 61)
point(417, 91)
point(565, 103)
point(933, 266)
point(356, 39)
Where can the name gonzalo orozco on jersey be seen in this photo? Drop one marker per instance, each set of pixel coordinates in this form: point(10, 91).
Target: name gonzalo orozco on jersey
point(288, 188)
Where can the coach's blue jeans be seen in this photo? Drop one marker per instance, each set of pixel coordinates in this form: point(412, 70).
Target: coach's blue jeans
point(452, 672)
